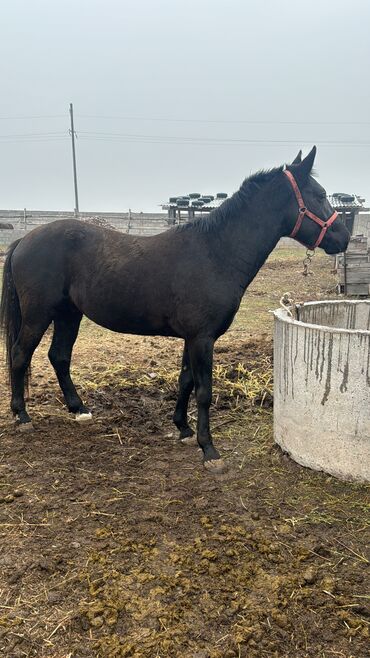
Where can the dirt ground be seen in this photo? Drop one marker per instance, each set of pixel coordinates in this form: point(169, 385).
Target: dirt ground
point(115, 542)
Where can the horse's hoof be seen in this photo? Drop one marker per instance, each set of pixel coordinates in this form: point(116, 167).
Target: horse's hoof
point(189, 441)
point(24, 427)
point(84, 417)
point(216, 466)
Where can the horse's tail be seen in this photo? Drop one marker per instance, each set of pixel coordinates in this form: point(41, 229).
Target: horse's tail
point(10, 310)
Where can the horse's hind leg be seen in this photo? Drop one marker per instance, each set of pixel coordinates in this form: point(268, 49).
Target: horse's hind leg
point(186, 385)
point(66, 326)
point(21, 355)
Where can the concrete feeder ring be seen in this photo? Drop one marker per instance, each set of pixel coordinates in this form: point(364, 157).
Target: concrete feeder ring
point(322, 386)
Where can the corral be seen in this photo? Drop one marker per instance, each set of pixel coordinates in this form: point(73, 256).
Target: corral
point(116, 543)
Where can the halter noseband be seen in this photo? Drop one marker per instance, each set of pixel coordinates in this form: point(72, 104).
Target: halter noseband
point(303, 211)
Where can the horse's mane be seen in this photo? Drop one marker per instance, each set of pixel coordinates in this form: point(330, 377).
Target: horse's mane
point(239, 201)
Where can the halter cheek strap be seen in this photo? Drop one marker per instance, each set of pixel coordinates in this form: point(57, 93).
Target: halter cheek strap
point(303, 212)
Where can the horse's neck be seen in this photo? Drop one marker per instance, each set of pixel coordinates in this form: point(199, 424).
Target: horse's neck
point(247, 240)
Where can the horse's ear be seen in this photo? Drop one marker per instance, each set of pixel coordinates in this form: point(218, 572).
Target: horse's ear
point(298, 158)
point(303, 169)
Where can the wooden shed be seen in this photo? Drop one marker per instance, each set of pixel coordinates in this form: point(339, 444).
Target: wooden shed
point(354, 266)
point(352, 211)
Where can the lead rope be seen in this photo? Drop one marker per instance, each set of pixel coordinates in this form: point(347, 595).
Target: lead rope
point(307, 262)
point(287, 301)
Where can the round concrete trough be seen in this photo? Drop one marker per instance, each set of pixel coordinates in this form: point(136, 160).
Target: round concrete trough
point(322, 386)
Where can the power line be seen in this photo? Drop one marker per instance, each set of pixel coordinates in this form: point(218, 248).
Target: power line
point(30, 139)
point(297, 143)
point(190, 120)
point(171, 139)
point(175, 139)
point(227, 121)
point(41, 116)
point(43, 134)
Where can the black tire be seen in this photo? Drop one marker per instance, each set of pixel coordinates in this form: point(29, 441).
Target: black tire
point(221, 195)
point(195, 195)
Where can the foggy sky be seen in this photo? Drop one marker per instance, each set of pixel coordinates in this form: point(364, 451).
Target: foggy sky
point(174, 74)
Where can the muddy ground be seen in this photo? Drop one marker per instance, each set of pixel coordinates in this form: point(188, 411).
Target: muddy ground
point(114, 540)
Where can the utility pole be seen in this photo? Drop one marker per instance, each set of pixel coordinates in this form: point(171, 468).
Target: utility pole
point(72, 132)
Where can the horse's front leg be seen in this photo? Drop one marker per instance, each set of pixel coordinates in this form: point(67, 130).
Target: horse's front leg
point(201, 359)
point(186, 385)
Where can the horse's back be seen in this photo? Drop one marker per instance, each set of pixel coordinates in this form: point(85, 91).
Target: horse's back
point(57, 245)
point(105, 274)
point(165, 284)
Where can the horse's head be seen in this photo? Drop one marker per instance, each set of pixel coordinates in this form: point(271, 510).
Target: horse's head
point(309, 217)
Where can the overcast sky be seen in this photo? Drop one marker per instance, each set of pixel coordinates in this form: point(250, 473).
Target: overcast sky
point(178, 96)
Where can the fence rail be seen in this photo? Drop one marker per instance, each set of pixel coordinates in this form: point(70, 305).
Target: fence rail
point(133, 223)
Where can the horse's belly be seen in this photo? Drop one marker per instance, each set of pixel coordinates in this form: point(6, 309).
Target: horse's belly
point(128, 323)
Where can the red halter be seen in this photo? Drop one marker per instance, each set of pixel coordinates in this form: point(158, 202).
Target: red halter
point(303, 211)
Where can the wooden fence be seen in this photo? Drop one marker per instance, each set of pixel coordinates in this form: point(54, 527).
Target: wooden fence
point(354, 267)
point(24, 221)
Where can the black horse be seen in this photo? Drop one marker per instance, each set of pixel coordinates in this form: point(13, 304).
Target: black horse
point(187, 282)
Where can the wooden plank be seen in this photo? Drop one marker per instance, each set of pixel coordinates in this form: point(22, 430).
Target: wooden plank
point(361, 264)
point(355, 277)
point(357, 289)
point(357, 262)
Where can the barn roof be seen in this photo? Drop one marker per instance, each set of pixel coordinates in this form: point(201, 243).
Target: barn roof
point(341, 201)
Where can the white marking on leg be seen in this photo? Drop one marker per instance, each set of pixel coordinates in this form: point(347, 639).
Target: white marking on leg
point(84, 417)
